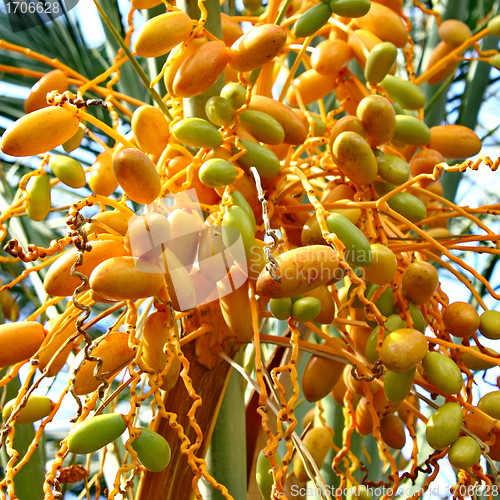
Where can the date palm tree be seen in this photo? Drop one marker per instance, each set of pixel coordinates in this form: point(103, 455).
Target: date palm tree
point(228, 413)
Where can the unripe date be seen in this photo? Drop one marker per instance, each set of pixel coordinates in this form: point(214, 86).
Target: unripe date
point(136, 173)
point(39, 132)
point(95, 433)
point(152, 450)
point(19, 341)
point(403, 349)
point(354, 157)
point(301, 270)
point(115, 354)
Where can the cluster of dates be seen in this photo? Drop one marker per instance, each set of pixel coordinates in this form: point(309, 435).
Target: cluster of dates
point(248, 154)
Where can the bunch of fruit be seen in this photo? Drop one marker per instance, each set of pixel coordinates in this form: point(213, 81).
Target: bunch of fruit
point(332, 221)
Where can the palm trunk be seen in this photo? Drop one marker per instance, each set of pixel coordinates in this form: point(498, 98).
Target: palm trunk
point(176, 480)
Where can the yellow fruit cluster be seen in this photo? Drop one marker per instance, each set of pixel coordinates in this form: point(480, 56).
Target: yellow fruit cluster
point(332, 221)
